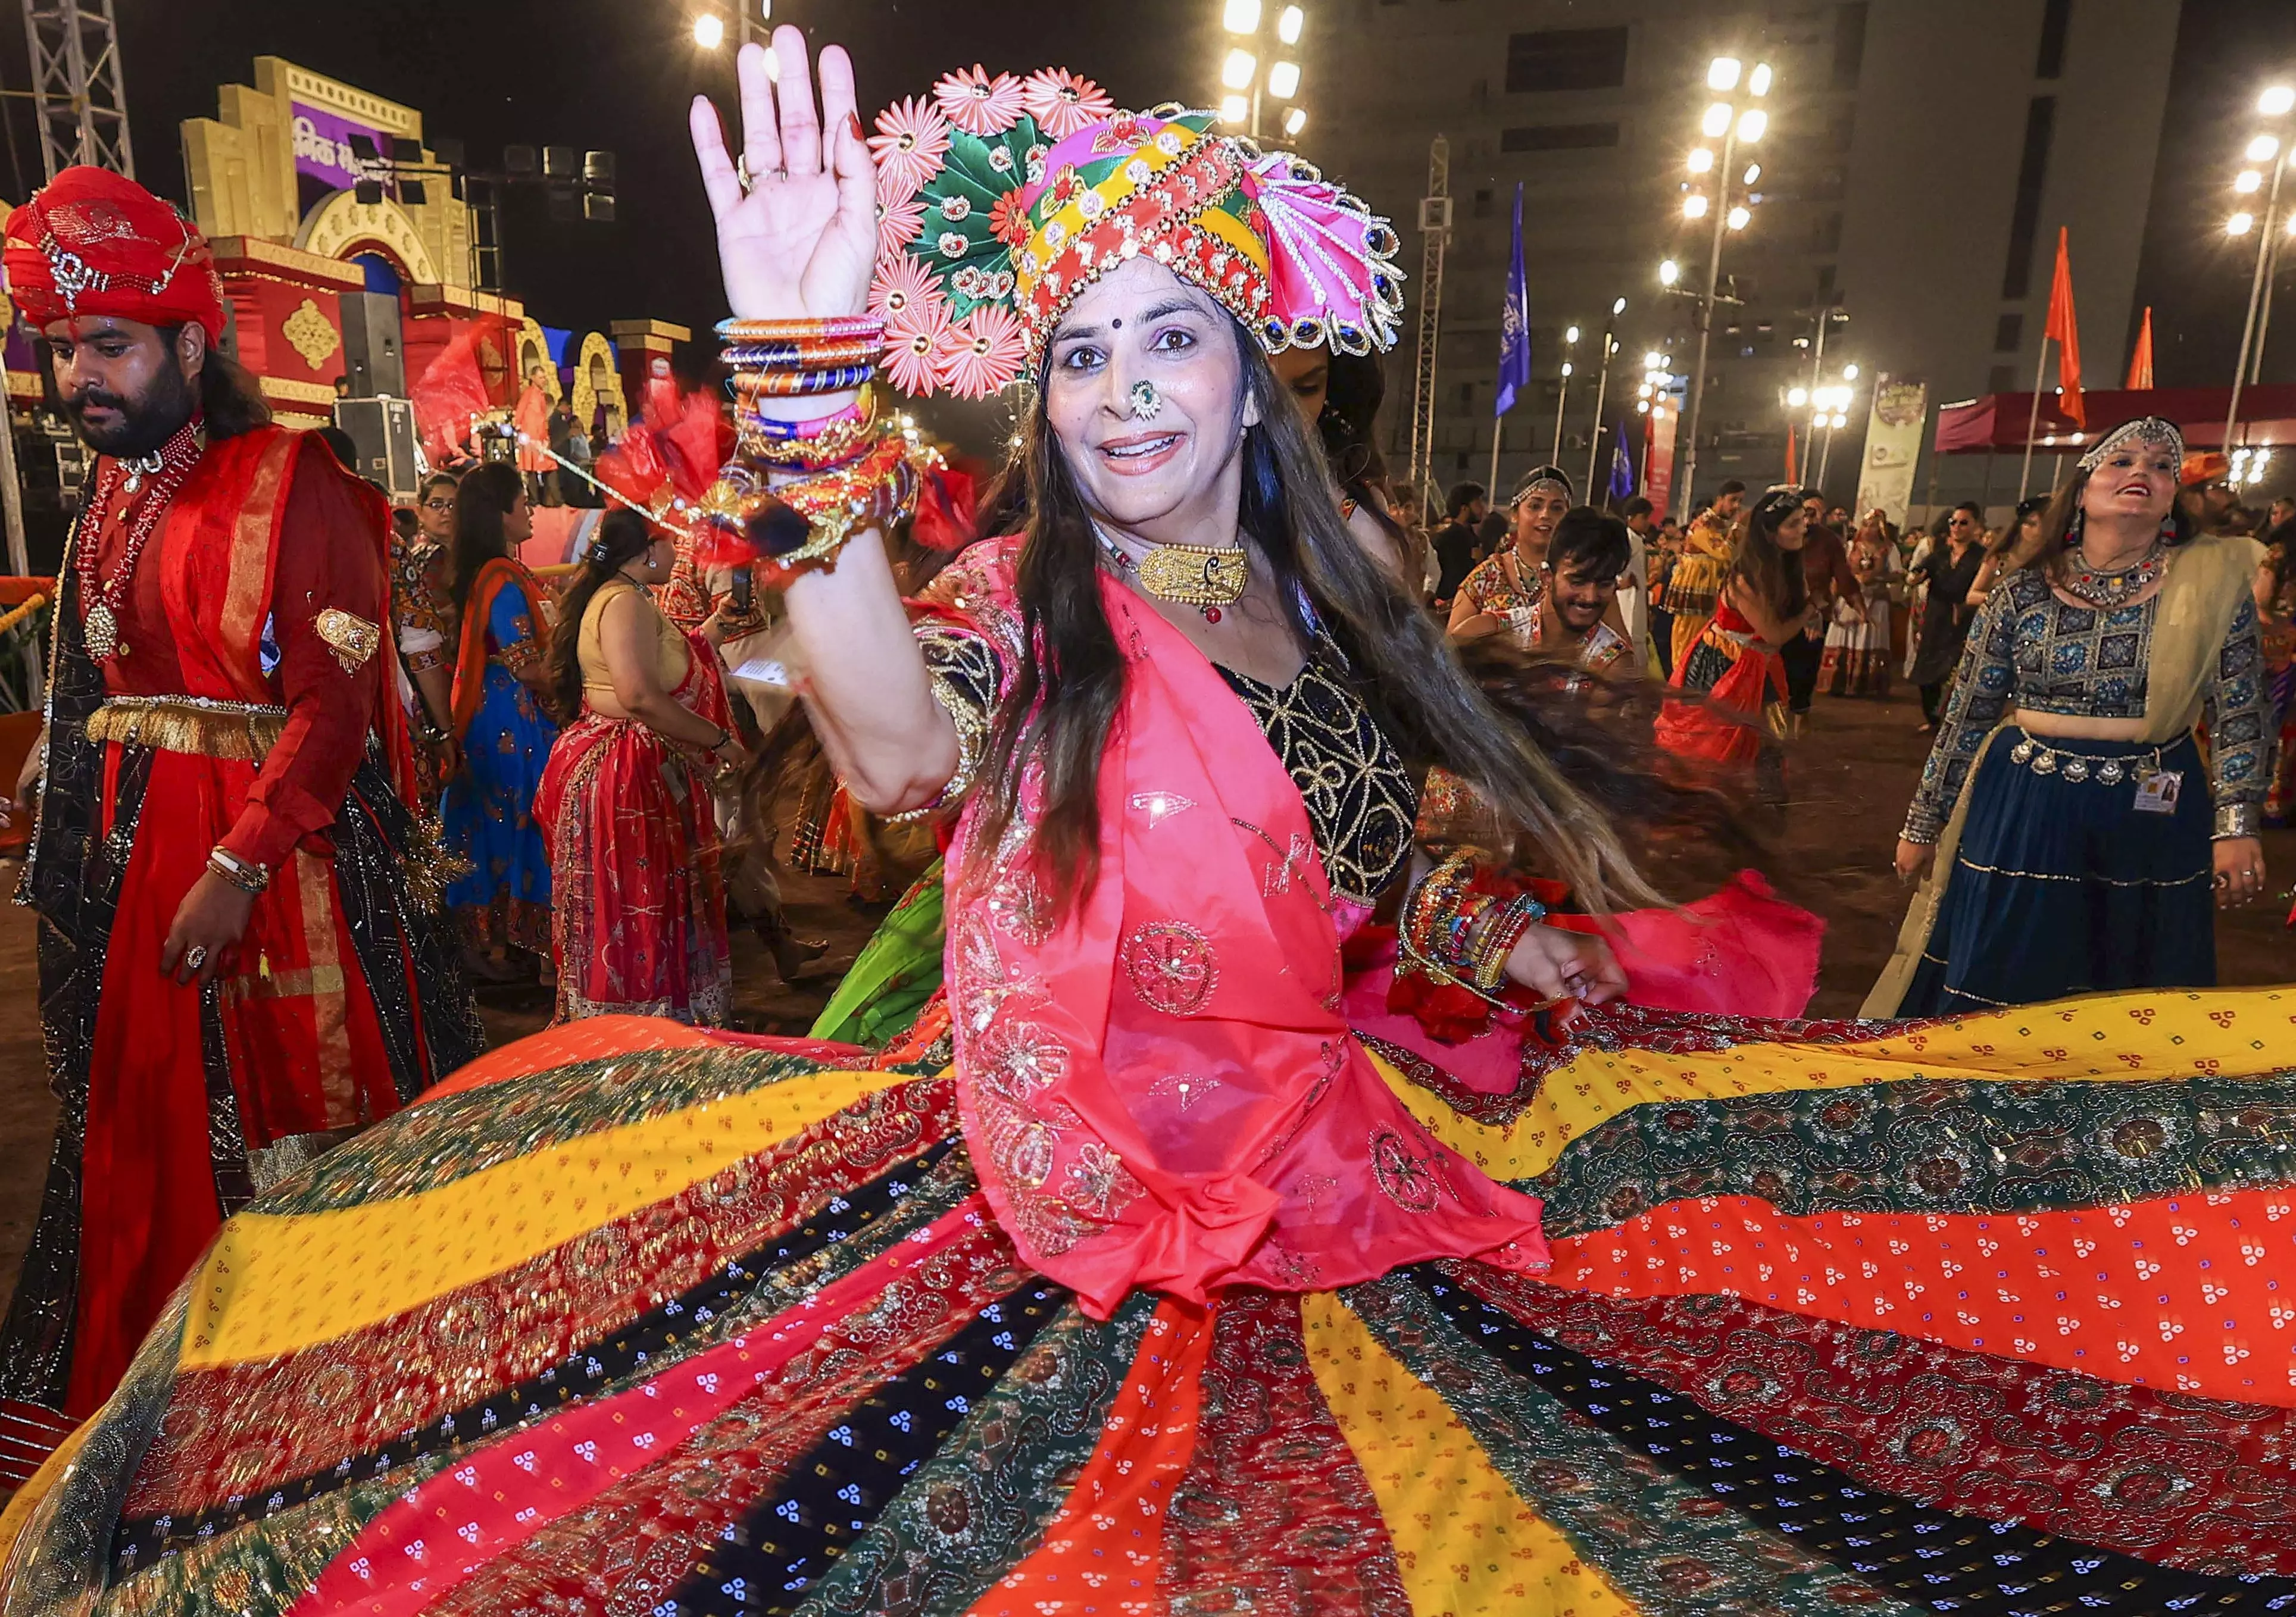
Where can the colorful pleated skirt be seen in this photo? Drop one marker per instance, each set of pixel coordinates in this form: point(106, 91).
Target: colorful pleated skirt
point(1972, 1315)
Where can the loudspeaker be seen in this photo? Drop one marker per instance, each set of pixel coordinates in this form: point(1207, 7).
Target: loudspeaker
point(372, 358)
point(383, 430)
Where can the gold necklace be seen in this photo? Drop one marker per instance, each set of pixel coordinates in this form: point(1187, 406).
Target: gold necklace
point(1188, 575)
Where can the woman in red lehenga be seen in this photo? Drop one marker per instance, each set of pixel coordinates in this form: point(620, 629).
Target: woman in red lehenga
point(1735, 663)
point(639, 927)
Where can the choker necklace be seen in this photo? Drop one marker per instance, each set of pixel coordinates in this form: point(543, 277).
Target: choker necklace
point(2109, 589)
point(1201, 576)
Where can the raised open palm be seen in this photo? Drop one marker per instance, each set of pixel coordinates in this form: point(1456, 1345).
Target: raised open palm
point(802, 243)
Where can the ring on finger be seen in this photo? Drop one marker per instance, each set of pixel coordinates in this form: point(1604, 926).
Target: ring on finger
point(196, 956)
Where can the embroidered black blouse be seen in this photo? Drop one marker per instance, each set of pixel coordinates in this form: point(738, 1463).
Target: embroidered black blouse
point(1361, 802)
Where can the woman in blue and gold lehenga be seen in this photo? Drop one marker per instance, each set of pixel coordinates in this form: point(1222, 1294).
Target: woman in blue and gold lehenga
point(1167, 1266)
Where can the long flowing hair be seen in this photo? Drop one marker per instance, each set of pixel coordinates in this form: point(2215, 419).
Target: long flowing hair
point(620, 538)
point(483, 500)
point(1773, 572)
point(1062, 702)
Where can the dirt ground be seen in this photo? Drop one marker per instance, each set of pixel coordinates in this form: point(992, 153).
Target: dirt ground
point(1850, 778)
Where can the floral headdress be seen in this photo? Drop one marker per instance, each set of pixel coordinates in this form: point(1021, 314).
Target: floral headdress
point(1000, 199)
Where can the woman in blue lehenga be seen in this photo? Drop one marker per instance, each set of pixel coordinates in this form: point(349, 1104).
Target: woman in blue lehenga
point(501, 681)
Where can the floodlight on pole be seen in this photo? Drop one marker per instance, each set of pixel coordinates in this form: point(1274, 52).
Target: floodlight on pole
point(1283, 80)
point(1570, 335)
point(1241, 16)
point(1668, 272)
point(1702, 160)
point(2246, 181)
point(1619, 307)
point(1236, 72)
point(1234, 108)
point(1796, 397)
point(708, 30)
point(1729, 121)
point(1654, 360)
point(1850, 373)
point(1294, 121)
point(2240, 223)
point(1290, 22)
point(2264, 148)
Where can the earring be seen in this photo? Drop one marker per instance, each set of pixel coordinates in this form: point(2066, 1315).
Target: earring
point(2074, 529)
point(1147, 403)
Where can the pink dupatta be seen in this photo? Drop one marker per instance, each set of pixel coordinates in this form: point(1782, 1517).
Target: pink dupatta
point(1161, 1090)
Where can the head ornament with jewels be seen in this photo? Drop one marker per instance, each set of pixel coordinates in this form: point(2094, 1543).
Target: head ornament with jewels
point(1000, 199)
point(2150, 432)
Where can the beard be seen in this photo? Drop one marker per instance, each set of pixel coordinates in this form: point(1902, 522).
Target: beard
point(146, 420)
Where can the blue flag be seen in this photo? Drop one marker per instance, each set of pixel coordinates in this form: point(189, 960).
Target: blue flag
point(1622, 465)
point(1514, 322)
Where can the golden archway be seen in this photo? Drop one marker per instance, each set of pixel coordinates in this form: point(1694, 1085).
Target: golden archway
point(339, 226)
point(533, 349)
point(598, 379)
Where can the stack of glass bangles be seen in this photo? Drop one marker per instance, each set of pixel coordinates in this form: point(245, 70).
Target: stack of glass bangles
point(1455, 930)
point(798, 488)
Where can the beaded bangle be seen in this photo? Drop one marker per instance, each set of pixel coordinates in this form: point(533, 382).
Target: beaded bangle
point(840, 445)
point(830, 328)
point(1502, 928)
point(801, 526)
point(1453, 931)
point(740, 357)
point(795, 384)
point(245, 875)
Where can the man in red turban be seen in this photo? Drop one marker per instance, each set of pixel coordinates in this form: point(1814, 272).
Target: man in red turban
point(235, 972)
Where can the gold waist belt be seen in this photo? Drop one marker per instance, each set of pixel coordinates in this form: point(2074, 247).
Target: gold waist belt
point(200, 725)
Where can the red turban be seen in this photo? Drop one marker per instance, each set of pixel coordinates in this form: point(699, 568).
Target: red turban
point(94, 242)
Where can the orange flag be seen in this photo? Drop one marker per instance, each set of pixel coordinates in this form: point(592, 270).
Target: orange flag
point(2061, 327)
point(2140, 357)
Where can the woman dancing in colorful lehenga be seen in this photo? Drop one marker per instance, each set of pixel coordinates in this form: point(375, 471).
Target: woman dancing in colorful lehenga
point(1198, 1280)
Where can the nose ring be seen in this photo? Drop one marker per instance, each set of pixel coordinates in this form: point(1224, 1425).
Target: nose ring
point(1147, 403)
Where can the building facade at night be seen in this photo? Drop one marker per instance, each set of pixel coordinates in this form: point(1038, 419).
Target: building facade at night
point(1920, 158)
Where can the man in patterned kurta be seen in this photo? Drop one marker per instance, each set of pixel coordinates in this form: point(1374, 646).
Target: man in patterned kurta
point(233, 972)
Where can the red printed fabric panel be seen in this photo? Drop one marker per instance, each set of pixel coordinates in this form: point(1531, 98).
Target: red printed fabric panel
point(428, 1377)
point(2121, 1293)
point(1275, 1515)
point(2186, 1482)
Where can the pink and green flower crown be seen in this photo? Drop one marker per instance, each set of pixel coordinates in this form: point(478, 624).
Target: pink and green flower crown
point(1000, 199)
